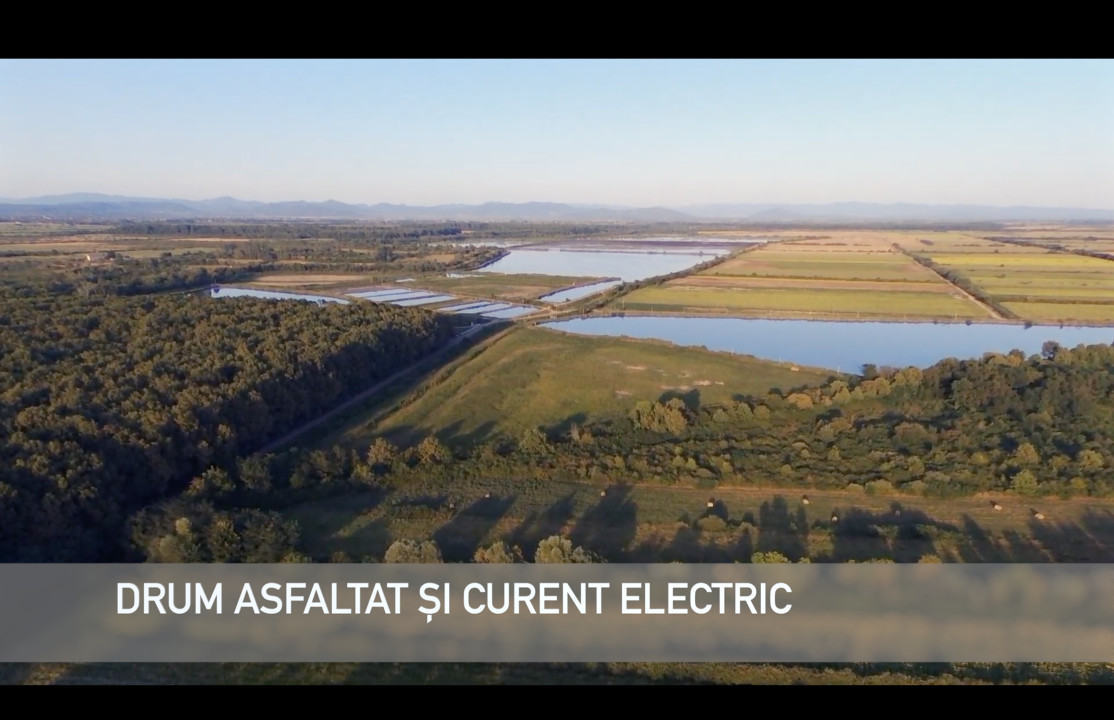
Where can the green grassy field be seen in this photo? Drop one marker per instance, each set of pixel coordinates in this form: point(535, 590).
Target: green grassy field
point(821, 264)
point(1013, 257)
point(1046, 312)
point(536, 377)
point(663, 523)
point(762, 301)
point(1028, 281)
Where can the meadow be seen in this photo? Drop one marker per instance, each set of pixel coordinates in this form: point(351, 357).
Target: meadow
point(534, 377)
point(632, 523)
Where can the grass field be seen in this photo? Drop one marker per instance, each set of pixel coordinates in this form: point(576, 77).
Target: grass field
point(534, 377)
point(304, 280)
point(1028, 281)
point(663, 523)
point(846, 275)
point(822, 302)
point(807, 262)
point(1066, 313)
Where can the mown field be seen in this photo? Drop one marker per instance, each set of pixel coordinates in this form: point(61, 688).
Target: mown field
point(536, 377)
point(1036, 284)
point(848, 275)
point(800, 302)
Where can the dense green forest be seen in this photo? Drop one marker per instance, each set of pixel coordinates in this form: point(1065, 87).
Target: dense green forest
point(111, 403)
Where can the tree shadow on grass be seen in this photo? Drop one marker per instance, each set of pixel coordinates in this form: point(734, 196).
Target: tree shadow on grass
point(537, 526)
point(609, 526)
point(900, 534)
point(780, 532)
point(691, 398)
point(461, 536)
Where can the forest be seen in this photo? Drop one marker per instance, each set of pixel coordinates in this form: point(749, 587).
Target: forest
point(111, 403)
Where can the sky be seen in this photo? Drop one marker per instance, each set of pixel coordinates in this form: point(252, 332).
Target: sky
point(610, 132)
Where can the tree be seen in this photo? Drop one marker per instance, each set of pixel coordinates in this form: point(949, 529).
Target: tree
point(1026, 454)
point(1024, 483)
point(769, 557)
point(556, 549)
point(533, 442)
point(381, 453)
point(431, 451)
point(498, 552)
point(413, 552)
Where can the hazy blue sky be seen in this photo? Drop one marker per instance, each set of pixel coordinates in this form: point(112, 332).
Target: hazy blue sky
point(645, 132)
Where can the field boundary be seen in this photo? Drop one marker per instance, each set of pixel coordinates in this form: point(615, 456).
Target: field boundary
point(997, 313)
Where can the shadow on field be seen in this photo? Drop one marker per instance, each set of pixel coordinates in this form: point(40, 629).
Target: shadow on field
point(901, 535)
point(539, 525)
point(562, 429)
point(452, 437)
point(321, 526)
point(691, 398)
point(461, 536)
point(608, 527)
point(369, 541)
point(779, 531)
point(1089, 540)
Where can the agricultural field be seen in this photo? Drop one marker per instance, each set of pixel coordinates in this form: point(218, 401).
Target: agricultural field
point(1030, 282)
point(844, 276)
point(321, 281)
point(534, 377)
point(800, 302)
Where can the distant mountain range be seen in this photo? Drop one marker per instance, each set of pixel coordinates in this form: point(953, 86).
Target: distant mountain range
point(96, 207)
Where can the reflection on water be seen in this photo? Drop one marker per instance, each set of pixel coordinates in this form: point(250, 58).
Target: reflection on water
point(627, 266)
point(224, 292)
point(579, 292)
point(842, 346)
point(413, 302)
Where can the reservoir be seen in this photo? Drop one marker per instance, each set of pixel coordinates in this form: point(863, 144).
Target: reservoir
point(840, 346)
point(627, 266)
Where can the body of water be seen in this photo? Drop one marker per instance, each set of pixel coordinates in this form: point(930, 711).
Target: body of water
point(627, 266)
point(414, 302)
point(579, 292)
point(385, 295)
point(512, 312)
point(225, 292)
point(842, 346)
